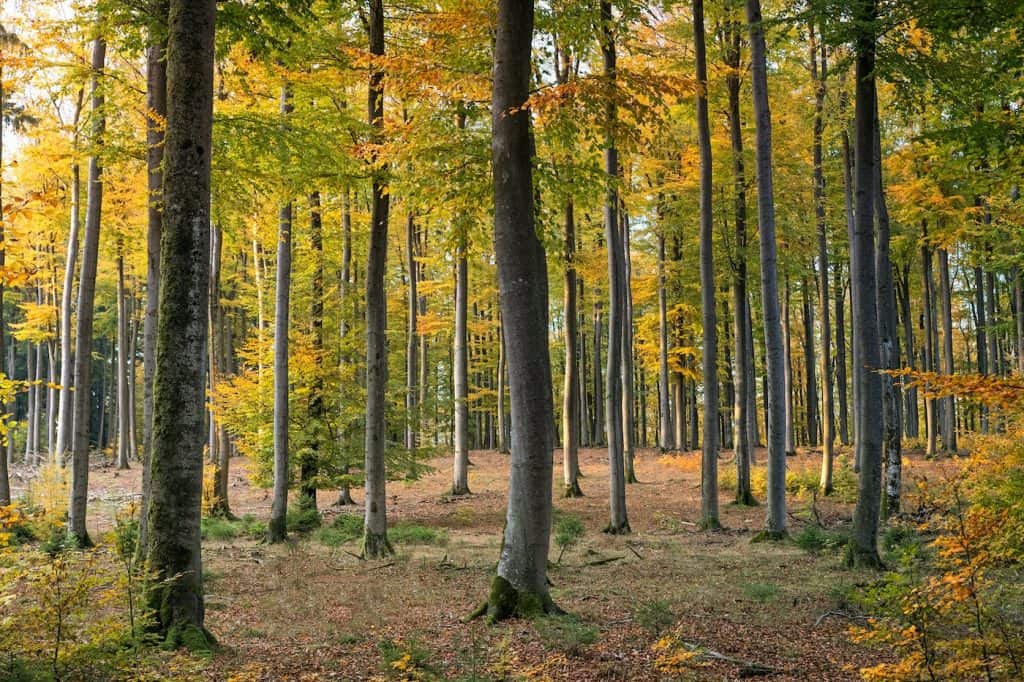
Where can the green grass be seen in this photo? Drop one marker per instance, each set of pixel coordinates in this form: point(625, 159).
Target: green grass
point(349, 528)
point(816, 540)
point(219, 528)
point(565, 633)
point(761, 592)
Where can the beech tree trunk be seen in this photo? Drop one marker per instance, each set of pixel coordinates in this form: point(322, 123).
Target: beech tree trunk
point(628, 418)
point(123, 407)
point(460, 368)
point(949, 403)
point(375, 535)
point(709, 460)
point(412, 337)
point(930, 350)
point(841, 380)
point(787, 376)
point(863, 547)
point(175, 559)
point(86, 301)
point(776, 521)
point(521, 587)
point(666, 432)
point(571, 386)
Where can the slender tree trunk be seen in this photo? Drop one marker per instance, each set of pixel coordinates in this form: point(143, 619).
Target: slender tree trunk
point(220, 452)
point(910, 421)
point(597, 426)
point(309, 463)
point(776, 521)
point(618, 522)
point(86, 301)
point(863, 548)
point(571, 386)
point(666, 432)
point(841, 382)
point(123, 439)
point(787, 355)
point(375, 536)
point(460, 368)
point(521, 586)
point(412, 338)
point(709, 460)
point(810, 380)
point(949, 408)
point(930, 350)
point(628, 419)
point(174, 556)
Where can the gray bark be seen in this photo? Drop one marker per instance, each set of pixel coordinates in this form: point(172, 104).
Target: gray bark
point(460, 370)
point(666, 432)
point(949, 403)
point(123, 408)
point(412, 338)
point(628, 418)
point(930, 349)
point(571, 386)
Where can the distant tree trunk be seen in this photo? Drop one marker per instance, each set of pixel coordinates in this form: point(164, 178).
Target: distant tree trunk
point(949, 408)
point(776, 521)
point(86, 302)
point(709, 460)
point(521, 586)
point(412, 338)
point(888, 337)
point(375, 535)
point(571, 387)
point(753, 435)
point(787, 355)
point(628, 420)
point(828, 424)
point(618, 522)
point(841, 383)
point(174, 556)
point(863, 548)
point(598, 385)
point(220, 452)
point(666, 432)
point(810, 380)
point(460, 368)
point(930, 350)
point(309, 464)
point(123, 408)
point(850, 229)
point(277, 528)
point(910, 413)
point(344, 490)
point(156, 114)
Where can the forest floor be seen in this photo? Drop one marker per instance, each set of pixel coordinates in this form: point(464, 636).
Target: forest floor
point(312, 610)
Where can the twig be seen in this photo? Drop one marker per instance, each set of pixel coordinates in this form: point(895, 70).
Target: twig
point(631, 549)
point(608, 560)
point(748, 668)
point(377, 568)
point(839, 614)
point(361, 558)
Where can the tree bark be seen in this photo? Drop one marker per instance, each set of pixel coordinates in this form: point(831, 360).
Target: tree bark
point(174, 556)
point(776, 521)
point(412, 337)
point(930, 350)
point(86, 302)
point(666, 431)
point(460, 368)
point(949, 407)
point(787, 355)
point(709, 460)
point(375, 536)
point(863, 548)
point(628, 376)
point(571, 386)
point(123, 407)
point(521, 587)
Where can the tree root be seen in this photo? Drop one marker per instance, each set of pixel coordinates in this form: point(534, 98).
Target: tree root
point(506, 601)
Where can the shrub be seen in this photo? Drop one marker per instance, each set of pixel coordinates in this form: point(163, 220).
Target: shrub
point(654, 616)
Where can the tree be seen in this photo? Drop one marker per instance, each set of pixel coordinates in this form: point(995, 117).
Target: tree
point(776, 521)
point(460, 369)
point(375, 533)
point(863, 548)
point(176, 479)
point(520, 586)
point(86, 302)
point(709, 462)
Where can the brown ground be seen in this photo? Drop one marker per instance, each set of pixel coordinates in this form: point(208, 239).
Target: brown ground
point(303, 611)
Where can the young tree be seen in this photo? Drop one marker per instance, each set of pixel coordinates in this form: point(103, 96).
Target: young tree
point(776, 521)
point(86, 303)
point(520, 586)
point(174, 556)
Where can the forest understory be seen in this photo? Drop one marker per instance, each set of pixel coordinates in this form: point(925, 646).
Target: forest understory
point(310, 609)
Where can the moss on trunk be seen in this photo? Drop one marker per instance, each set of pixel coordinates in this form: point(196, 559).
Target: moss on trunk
point(505, 601)
point(376, 546)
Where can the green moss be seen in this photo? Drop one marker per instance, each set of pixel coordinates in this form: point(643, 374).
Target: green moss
point(505, 601)
point(710, 523)
point(191, 637)
point(376, 546)
point(770, 536)
point(860, 557)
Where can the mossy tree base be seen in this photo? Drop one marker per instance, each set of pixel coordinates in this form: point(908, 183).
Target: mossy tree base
point(459, 491)
point(505, 601)
point(746, 499)
point(770, 536)
point(277, 530)
point(859, 557)
point(826, 490)
point(573, 490)
point(710, 523)
point(376, 546)
point(631, 477)
point(620, 529)
point(194, 639)
point(345, 498)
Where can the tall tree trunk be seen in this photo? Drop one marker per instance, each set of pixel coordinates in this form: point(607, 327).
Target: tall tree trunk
point(888, 336)
point(776, 521)
point(174, 556)
point(597, 425)
point(521, 586)
point(910, 414)
point(810, 380)
point(666, 431)
point(86, 301)
point(412, 337)
point(156, 114)
point(220, 452)
point(309, 464)
point(277, 528)
point(123, 408)
point(949, 407)
point(851, 238)
point(571, 386)
point(460, 369)
point(709, 460)
point(618, 522)
point(828, 424)
point(930, 350)
point(863, 548)
point(841, 382)
point(628, 419)
point(375, 535)
point(787, 355)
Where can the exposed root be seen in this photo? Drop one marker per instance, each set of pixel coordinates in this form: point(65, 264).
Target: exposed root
point(506, 601)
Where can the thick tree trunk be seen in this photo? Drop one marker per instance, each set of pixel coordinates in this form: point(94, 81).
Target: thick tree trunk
point(375, 536)
point(174, 556)
point(156, 114)
point(460, 369)
point(521, 586)
point(863, 548)
point(709, 459)
point(618, 522)
point(776, 521)
point(571, 386)
point(628, 417)
point(86, 301)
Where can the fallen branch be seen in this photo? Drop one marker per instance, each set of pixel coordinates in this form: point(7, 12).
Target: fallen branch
point(839, 614)
point(747, 668)
point(602, 562)
point(631, 549)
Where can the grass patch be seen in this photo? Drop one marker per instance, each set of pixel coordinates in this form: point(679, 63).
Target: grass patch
point(302, 519)
point(654, 616)
point(815, 540)
point(565, 634)
point(406, 533)
point(220, 528)
point(349, 528)
point(761, 592)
